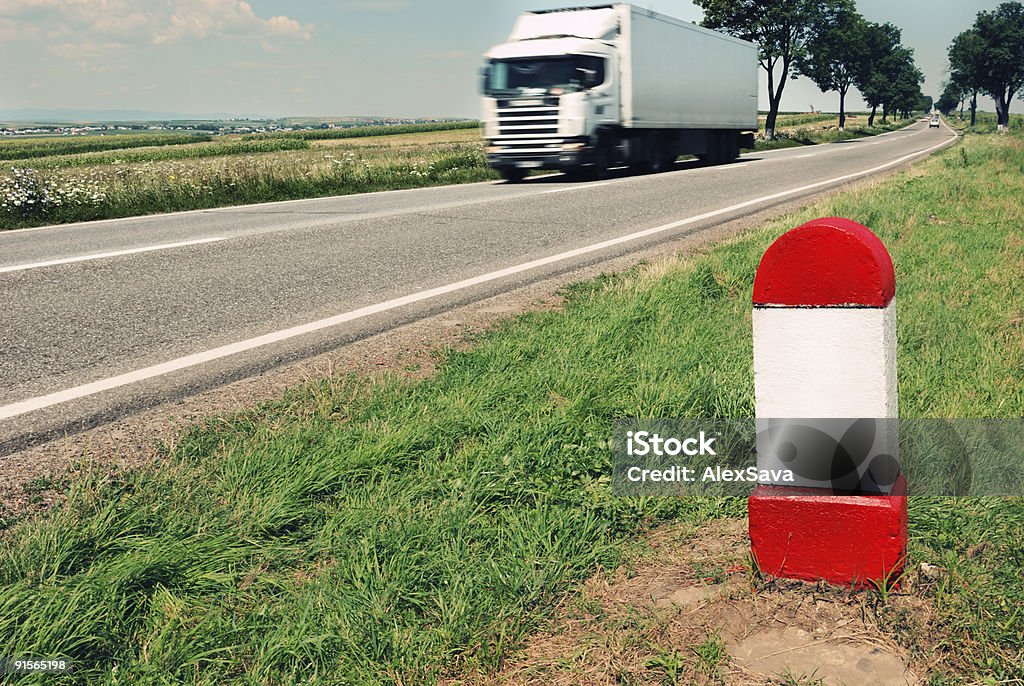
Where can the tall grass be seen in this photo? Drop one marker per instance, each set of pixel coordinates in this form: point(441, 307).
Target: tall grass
point(31, 148)
point(394, 532)
point(172, 152)
point(199, 181)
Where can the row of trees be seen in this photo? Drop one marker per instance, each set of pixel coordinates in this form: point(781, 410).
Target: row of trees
point(987, 58)
point(829, 42)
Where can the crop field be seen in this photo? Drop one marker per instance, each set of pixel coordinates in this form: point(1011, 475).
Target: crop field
point(372, 131)
point(43, 181)
point(31, 148)
point(121, 156)
point(786, 119)
point(396, 531)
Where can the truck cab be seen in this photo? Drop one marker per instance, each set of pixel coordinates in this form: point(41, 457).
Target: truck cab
point(544, 99)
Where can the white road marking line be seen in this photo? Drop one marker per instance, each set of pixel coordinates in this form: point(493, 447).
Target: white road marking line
point(103, 255)
point(576, 188)
point(44, 401)
point(800, 157)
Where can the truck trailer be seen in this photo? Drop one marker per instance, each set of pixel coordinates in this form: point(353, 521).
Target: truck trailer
point(583, 89)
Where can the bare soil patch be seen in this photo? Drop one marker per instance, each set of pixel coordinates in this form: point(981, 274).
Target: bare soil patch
point(691, 611)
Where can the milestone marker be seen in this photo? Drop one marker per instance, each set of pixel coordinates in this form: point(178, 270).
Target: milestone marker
point(825, 397)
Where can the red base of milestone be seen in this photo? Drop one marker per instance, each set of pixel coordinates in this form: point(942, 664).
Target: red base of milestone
point(804, 533)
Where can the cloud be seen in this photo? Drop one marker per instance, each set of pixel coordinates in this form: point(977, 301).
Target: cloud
point(86, 55)
point(283, 26)
point(202, 19)
point(120, 22)
point(84, 50)
point(92, 18)
point(12, 29)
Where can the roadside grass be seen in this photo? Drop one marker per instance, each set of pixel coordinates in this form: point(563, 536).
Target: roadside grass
point(387, 531)
point(792, 135)
point(985, 122)
point(262, 168)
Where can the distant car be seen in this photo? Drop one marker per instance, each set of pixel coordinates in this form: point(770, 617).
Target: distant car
point(934, 123)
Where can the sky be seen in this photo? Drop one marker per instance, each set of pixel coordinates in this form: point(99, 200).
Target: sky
point(402, 58)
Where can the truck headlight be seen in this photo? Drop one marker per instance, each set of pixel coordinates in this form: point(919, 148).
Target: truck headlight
point(493, 149)
point(573, 147)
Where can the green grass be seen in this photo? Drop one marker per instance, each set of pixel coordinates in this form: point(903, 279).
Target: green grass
point(32, 148)
point(985, 122)
point(390, 531)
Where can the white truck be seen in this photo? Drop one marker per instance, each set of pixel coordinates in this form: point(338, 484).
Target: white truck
point(582, 89)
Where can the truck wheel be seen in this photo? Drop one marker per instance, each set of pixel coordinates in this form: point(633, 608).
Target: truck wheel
point(656, 163)
point(663, 161)
point(653, 160)
point(730, 147)
point(602, 160)
point(723, 147)
point(597, 170)
point(713, 153)
point(512, 174)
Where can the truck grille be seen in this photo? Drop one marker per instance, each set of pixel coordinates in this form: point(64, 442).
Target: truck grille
point(528, 125)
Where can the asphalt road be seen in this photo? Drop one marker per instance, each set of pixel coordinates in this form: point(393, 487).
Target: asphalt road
point(100, 319)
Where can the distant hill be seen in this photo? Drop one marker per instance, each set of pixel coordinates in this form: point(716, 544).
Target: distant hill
point(70, 116)
point(58, 116)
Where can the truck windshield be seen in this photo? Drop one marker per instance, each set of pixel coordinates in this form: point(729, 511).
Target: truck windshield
point(565, 74)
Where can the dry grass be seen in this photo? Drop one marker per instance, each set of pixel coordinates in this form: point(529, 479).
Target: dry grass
point(405, 140)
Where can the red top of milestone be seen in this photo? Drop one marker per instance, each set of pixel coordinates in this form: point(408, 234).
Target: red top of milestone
point(828, 262)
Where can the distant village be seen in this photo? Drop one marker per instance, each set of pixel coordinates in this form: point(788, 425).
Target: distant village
point(218, 127)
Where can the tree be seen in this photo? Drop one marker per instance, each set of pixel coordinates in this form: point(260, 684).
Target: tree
point(781, 29)
point(989, 57)
point(967, 66)
point(883, 58)
point(904, 91)
point(835, 53)
point(950, 98)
